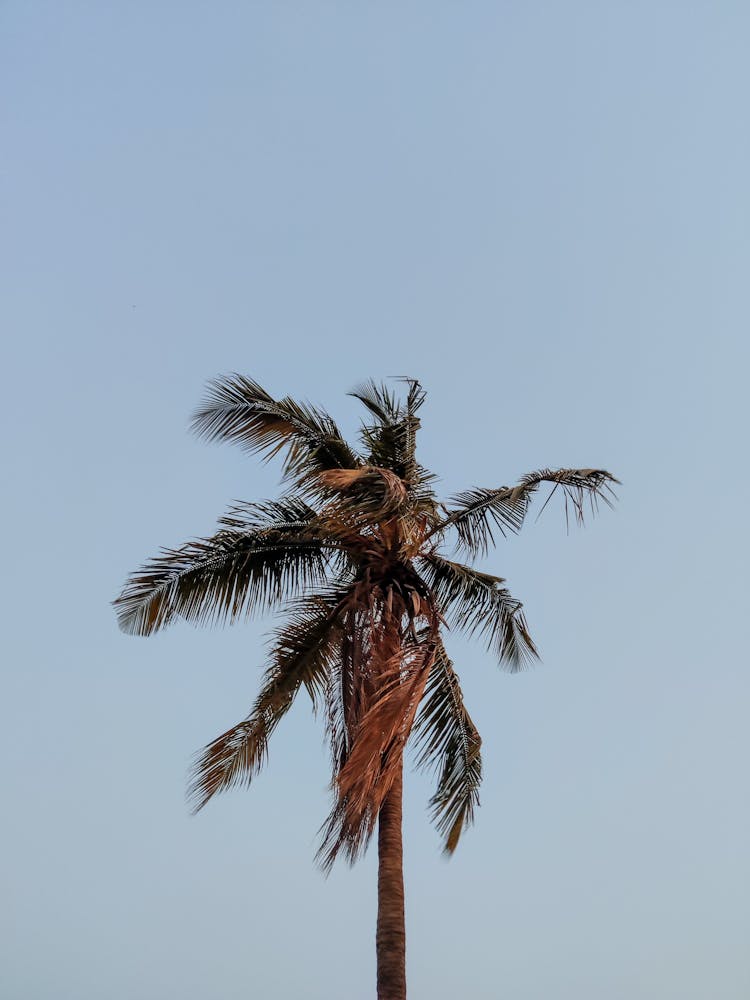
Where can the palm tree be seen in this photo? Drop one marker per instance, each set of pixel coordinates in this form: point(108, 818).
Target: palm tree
point(352, 553)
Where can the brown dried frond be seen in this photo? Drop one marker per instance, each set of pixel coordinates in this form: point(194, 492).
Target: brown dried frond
point(374, 490)
point(388, 691)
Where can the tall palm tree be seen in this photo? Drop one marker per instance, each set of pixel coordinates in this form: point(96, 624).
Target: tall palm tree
point(352, 553)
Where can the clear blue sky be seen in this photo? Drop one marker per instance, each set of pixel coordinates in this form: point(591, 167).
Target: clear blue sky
point(542, 211)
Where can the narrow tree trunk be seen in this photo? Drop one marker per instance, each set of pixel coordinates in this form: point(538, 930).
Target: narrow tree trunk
point(390, 940)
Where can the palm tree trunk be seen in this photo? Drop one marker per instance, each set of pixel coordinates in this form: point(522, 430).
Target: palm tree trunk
point(390, 941)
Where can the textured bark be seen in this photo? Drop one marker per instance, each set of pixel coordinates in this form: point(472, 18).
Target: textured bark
point(391, 932)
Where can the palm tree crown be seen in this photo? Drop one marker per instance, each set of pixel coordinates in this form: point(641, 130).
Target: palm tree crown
point(353, 554)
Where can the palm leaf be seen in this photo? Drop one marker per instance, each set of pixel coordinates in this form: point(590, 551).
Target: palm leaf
point(304, 648)
point(240, 410)
point(476, 603)
point(448, 741)
point(222, 578)
point(479, 511)
point(391, 440)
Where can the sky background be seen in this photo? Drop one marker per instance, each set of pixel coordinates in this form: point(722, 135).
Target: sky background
point(542, 211)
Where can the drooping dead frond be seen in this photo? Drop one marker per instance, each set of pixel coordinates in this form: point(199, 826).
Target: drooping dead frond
point(448, 742)
point(371, 706)
point(364, 780)
point(240, 410)
point(477, 512)
point(477, 603)
point(304, 649)
point(375, 744)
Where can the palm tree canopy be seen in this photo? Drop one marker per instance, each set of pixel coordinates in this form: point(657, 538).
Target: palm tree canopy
point(353, 556)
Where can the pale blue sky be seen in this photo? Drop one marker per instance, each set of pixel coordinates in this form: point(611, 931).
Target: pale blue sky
point(542, 211)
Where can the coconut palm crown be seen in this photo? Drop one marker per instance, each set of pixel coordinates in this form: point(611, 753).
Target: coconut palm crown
point(353, 555)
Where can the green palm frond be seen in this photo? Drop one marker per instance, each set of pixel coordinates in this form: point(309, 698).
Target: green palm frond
point(448, 742)
point(475, 602)
point(223, 578)
point(302, 653)
point(240, 410)
point(477, 512)
point(391, 441)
